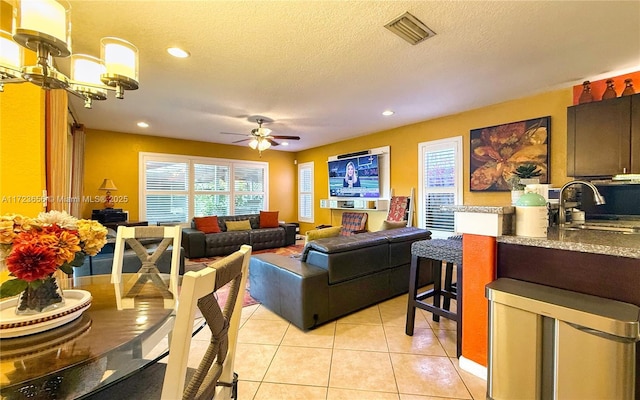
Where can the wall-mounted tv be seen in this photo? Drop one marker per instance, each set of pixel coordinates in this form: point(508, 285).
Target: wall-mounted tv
point(355, 177)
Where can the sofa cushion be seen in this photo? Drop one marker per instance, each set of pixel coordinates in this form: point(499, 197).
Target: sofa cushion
point(356, 262)
point(244, 225)
point(269, 219)
point(267, 238)
point(386, 225)
point(224, 243)
point(322, 233)
point(207, 224)
point(254, 220)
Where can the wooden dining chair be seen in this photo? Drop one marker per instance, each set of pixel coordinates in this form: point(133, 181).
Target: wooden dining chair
point(214, 378)
point(132, 236)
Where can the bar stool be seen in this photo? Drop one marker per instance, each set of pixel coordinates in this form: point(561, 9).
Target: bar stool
point(438, 252)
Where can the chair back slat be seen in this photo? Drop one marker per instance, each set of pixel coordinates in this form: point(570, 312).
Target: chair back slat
point(217, 363)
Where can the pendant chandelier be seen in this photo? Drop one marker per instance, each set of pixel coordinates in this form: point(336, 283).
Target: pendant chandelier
point(44, 26)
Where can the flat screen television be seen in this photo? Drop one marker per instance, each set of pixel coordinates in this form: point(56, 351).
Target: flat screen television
point(355, 177)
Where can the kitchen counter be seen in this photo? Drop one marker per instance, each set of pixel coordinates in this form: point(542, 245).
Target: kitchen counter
point(480, 209)
point(585, 241)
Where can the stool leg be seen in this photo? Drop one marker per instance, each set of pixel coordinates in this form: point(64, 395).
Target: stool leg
point(414, 273)
point(446, 304)
point(436, 266)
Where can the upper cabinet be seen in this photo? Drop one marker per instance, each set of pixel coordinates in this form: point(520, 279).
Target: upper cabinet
point(603, 138)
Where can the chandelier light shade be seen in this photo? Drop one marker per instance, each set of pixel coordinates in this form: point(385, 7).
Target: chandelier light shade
point(10, 54)
point(85, 75)
point(44, 26)
point(121, 61)
point(46, 21)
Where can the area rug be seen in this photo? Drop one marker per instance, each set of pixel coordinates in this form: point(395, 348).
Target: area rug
point(196, 264)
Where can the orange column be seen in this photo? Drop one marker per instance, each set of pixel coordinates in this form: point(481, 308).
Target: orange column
point(479, 268)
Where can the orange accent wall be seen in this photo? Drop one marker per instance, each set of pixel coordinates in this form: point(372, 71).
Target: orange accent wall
point(598, 87)
point(479, 268)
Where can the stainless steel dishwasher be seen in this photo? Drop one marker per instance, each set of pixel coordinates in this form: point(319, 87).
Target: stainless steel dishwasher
point(548, 343)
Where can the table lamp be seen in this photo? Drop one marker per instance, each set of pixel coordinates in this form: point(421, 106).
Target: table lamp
point(108, 185)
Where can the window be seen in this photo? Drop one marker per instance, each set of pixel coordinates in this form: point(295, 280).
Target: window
point(305, 192)
point(440, 177)
point(177, 188)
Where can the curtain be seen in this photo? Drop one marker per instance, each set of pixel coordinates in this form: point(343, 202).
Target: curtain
point(77, 168)
point(57, 167)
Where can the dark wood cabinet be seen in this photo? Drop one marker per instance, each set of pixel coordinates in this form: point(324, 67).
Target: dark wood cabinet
point(603, 137)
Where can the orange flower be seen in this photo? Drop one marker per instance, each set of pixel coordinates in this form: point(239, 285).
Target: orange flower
point(31, 262)
point(64, 242)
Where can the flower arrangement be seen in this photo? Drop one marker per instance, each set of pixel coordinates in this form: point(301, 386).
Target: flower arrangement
point(32, 249)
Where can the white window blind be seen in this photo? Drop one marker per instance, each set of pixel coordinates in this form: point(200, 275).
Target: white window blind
point(305, 192)
point(440, 184)
point(212, 191)
point(177, 188)
point(166, 187)
point(248, 183)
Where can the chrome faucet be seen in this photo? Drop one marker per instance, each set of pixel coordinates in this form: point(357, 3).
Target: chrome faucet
point(597, 198)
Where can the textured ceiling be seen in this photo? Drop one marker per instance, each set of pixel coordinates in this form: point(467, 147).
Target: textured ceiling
point(325, 70)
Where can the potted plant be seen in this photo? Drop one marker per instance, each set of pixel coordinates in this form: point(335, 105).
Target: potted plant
point(528, 173)
point(524, 175)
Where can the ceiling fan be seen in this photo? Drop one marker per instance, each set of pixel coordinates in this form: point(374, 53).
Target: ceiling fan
point(261, 138)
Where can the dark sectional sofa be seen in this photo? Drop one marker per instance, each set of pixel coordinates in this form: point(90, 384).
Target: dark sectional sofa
point(336, 276)
point(198, 244)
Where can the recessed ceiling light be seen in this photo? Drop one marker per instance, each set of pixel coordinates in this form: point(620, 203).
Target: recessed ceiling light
point(143, 125)
point(178, 52)
point(284, 143)
point(387, 113)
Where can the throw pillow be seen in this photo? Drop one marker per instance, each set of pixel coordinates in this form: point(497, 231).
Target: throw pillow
point(244, 225)
point(392, 225)
point(207, 224)
point(269, 219)
point(322, 233)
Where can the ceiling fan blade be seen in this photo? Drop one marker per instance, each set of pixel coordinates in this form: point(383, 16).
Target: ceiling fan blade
point(285, 137)
point(233, 133)
point(273, 142)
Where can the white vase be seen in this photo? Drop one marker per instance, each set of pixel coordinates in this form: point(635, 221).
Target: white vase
point(515, 195)
point(530, 181)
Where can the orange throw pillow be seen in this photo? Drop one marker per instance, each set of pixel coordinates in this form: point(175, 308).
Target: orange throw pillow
point(269, 219)
point(207, 224)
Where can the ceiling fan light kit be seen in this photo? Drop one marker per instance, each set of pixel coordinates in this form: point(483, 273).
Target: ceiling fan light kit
point(260, 138)
point(44, 26)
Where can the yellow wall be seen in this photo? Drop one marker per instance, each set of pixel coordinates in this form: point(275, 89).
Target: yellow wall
point(22, 155)
point(115, 155)
point(404, 149)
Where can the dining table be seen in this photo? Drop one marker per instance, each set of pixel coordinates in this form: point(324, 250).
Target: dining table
point(114, 337)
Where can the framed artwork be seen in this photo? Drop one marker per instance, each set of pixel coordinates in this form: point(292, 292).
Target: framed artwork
point(497, 151)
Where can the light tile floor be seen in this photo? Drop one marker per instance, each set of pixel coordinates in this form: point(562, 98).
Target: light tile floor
point(363, 356)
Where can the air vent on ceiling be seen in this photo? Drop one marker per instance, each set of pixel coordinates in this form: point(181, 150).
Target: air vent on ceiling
point(410, 28)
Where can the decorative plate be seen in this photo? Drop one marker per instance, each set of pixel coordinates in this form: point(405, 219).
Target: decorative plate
point(12, 325)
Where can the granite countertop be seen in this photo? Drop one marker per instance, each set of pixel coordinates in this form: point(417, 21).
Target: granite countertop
point(586, 241)
point(480, 209)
